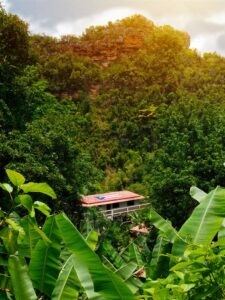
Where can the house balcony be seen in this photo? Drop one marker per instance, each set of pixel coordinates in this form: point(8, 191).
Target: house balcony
point(114, 212)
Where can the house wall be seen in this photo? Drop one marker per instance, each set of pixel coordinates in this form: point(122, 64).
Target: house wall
point(121, 205)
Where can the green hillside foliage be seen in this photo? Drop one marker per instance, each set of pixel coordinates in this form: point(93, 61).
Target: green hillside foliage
point(151, 120)
point(124, 106)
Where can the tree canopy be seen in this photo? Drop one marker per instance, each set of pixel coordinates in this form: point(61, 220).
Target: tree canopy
point(126, 105)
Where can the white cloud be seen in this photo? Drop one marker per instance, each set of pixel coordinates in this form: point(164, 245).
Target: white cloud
point(6, 4)
point(77, 27)
point(204, 20)
point(207, 41)
point(40, 27)
point(218, 18)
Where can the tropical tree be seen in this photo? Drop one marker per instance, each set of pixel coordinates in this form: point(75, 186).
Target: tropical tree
point(14, 44)
point(188, 150)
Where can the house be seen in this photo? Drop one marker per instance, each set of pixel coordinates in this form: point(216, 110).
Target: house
point(114, 203)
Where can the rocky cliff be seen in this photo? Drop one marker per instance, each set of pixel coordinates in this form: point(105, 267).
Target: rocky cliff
point(104, 44)
point(105, 51)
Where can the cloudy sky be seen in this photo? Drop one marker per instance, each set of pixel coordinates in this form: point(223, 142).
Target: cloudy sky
point(204, 20)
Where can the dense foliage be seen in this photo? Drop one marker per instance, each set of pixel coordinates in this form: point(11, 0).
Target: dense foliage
point(52, 260)
point(125, 106)
point(151, 121)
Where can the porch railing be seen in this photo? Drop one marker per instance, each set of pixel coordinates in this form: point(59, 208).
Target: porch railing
point(121, 210)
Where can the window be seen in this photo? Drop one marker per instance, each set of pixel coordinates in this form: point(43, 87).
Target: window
point(130, 203)
point(108, 206)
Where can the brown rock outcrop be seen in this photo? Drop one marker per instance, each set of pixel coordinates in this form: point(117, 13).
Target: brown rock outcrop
point(105, 51)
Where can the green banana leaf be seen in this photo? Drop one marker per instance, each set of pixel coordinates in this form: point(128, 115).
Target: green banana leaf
point(141, 246)
point(197, 193)
point(108, 263)
point(135, 255)
point(107, 250)
point(127, 271)
point(44, 237)
point(97, 281)
point(67, 285)
point(221, 233)
point(5, 281)
point(163, 225)
point(44, 264)
point(4, 296)
point(92, 239)
point(132, 282)
point(21, 283)
point(204, 222)
point(159, 265)
point(221, 236)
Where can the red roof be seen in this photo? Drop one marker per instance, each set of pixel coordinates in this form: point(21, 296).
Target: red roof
point(140, 229)
point(108, 198)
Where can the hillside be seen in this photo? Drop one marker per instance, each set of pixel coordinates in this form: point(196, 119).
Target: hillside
point(106, 44)
point(125, 106)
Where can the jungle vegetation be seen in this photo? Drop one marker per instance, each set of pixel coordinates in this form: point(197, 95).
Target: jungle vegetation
point(153, 122)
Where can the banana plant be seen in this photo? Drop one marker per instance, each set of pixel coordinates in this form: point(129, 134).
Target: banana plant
point(129, 264)
point(159, 264)
point(201, 227)
point(61, 263)
point(97, 281)
point(204, 223)
point(164, 226)
point(196, 264)
point(19, 235)
point(199, 195)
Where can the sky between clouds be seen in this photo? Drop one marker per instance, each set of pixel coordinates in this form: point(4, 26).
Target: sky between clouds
point(204, 20)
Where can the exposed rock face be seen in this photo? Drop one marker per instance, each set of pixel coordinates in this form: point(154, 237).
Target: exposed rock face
point(104, 51)
point(106, 44)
